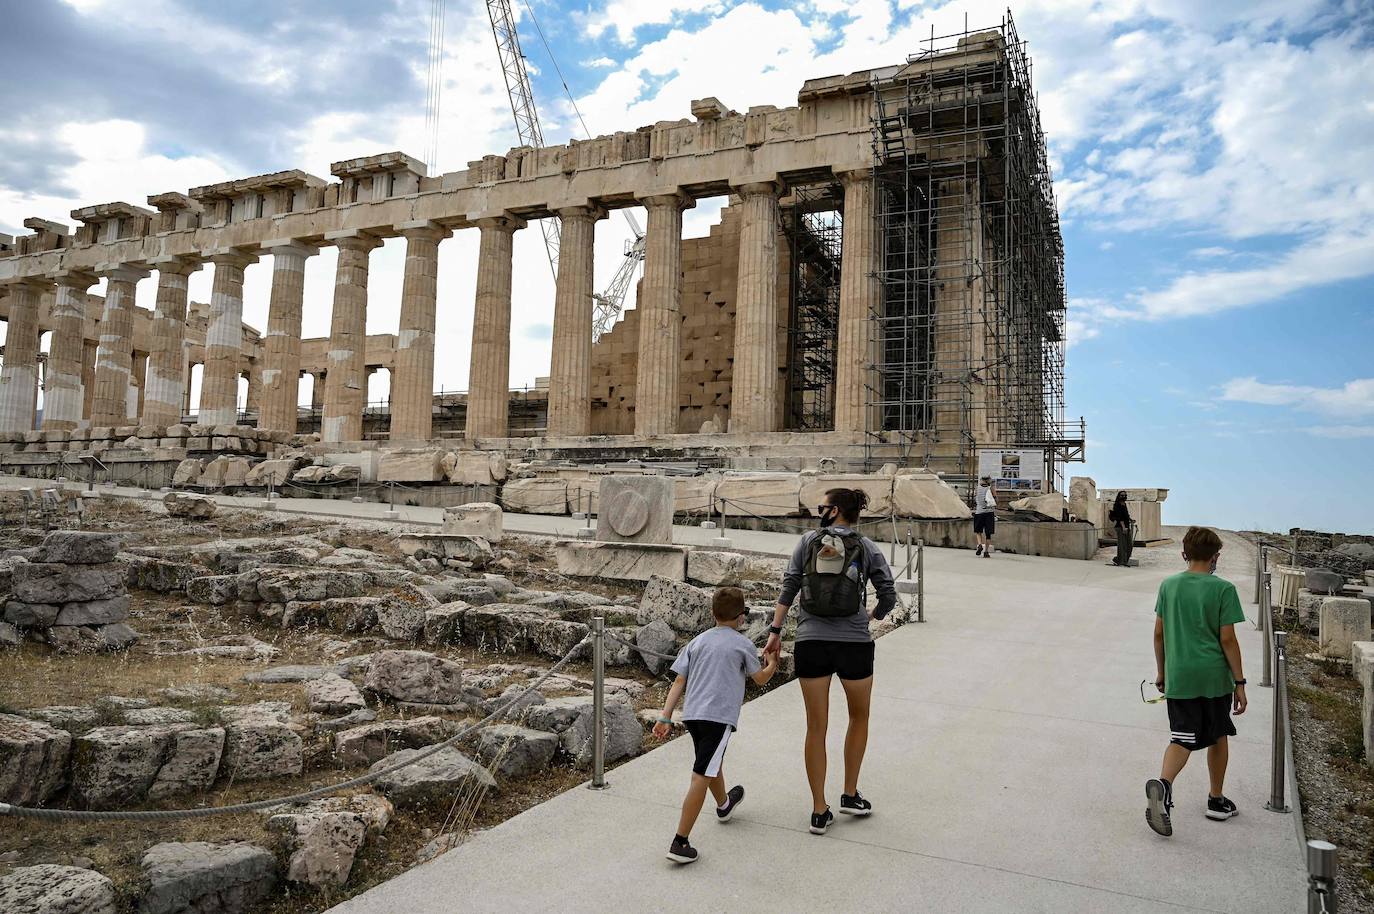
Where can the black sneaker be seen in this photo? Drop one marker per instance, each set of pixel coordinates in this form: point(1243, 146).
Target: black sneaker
point(978, 551)
point(732, 799)
point(820, 821)
point(1159, 801)
point(855, 805)
point(681, 851)
point(1220, 808)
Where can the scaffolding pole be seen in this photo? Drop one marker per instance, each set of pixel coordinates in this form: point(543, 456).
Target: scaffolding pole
point(970, 319)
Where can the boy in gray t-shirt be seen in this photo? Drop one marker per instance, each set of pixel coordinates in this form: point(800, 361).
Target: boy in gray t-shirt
point(711, 669)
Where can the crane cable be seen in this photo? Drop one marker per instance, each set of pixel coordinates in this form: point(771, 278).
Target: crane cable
point(634, 226)
point(434, 89)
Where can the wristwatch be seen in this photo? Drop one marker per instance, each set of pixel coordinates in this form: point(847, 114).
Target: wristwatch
point(1240, 682)
point(775, 629)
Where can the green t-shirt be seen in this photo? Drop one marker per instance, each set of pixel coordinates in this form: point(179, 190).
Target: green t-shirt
point(1194, 607)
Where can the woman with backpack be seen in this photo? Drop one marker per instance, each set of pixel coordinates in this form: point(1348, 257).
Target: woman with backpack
point(831, 569)
point(1120, 516)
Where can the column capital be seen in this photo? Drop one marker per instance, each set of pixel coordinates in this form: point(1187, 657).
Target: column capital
point(80, 280)
point(179, 265)
point(853, 175)
point(424, 230)
point(583, 210)
point(231, 257)
point(125, 272)
point(352, 240)
point(501, 221)
point(32, 283)
point(667, 197)
point(760, 186)
point(289, 246)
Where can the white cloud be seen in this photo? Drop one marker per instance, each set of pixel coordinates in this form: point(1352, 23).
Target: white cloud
point(1342, 431)
point(1352, 399)
point(625, 16)
point(598, 63)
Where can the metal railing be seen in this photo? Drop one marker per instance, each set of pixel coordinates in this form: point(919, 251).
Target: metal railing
point(1321, 877)
point(1278, 777)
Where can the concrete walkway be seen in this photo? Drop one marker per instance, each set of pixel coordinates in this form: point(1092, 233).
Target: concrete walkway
point(1007, 758)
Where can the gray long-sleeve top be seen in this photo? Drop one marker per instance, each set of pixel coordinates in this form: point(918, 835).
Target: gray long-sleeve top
point(841, 628)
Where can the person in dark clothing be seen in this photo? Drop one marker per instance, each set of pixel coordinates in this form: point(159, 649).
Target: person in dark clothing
point(833, 639)
point(1121, 520)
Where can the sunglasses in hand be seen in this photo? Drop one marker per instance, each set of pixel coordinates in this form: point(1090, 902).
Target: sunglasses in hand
point(1149, 701)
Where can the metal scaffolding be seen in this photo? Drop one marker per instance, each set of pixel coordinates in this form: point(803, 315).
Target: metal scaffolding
point(814, 228)
point(969, 323)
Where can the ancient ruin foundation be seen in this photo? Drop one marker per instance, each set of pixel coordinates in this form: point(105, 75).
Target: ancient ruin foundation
point(885, 285)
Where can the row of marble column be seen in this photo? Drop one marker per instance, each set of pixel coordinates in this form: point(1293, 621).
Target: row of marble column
point(755, 388)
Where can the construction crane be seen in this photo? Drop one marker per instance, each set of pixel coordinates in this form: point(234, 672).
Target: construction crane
point(608, 304)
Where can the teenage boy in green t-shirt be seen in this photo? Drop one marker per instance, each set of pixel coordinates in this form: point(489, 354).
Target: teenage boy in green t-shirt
point(1198, 668)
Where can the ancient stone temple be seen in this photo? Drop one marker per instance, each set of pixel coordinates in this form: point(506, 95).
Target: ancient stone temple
point(884, 285)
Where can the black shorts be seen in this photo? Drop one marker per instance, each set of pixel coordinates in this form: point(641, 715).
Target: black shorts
point(709, 738)
point(985, 523)
point(846, 659)
point(1196, 723)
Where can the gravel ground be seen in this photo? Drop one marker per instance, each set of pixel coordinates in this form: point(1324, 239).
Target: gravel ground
point(1334, 781)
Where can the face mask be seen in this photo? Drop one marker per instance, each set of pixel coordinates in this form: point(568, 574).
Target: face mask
point(829, 515)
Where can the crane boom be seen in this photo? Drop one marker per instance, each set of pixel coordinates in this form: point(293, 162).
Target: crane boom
point(521, 102)
point(608, 304)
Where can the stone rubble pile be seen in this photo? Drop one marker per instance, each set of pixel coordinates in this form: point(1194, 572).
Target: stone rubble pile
point(71, 593)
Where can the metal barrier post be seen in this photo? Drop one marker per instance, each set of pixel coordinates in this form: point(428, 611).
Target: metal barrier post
point(1259, 571)
point(1278, 777)
point(1267, 628)
point(1321, 877)
point(893, 518)
point(920, 580)
point(598, 704)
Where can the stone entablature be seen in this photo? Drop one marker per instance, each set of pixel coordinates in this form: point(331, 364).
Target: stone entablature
point(828, 132)
point(109, 222)
point(259, 198)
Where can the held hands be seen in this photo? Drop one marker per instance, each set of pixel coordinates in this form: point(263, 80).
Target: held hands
point(1238, 702)
point(662, 729)
point(773, 647)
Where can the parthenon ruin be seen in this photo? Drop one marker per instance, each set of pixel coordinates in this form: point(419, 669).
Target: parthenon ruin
point(885, 285)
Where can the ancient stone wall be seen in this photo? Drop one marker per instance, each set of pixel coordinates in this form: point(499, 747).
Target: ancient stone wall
point(710, 269)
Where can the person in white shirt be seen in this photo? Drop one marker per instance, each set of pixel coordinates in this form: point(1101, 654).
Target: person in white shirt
point(984, 516)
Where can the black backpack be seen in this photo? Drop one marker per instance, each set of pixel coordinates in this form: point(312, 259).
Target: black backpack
point(835, 574)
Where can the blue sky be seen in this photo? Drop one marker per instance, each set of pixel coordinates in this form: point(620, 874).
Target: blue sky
point(1212, 166)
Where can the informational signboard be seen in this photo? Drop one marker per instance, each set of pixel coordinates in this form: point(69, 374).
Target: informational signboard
point(1013, 469)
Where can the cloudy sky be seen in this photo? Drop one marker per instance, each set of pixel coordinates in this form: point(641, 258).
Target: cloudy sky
point(1211, 160)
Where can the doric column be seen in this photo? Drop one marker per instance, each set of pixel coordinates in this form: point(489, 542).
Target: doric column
point(754, 385)
point(345, 386)
point(138, 381)
point(859, 297)
point(114, 354)
point(489, 372)
point(163, 392)
point(317, 391)
point(570, 369)
point(19, 376)
point(89, 351)
point(412, 380)
point(281, 371)
point(660, 321)
point(219, 383)
point(253, 402)
point(65, 396)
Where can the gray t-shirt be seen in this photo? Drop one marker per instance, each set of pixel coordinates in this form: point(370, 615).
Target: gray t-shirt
point(838, 628)
point(980, 501)
point(715, 664)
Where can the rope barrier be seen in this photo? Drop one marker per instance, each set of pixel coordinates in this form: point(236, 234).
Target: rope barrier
point(87, 815)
